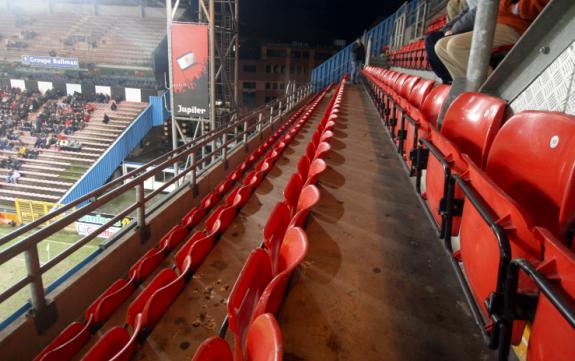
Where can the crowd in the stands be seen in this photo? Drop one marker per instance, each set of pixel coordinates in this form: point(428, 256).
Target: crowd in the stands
point(50, 117)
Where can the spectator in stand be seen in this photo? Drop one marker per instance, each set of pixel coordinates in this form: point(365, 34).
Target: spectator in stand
point(454, 8)
point(461, 23)
point(513, 18)
point(106, 119)
point(13, 177)
point(357, 59)
point(114, 106)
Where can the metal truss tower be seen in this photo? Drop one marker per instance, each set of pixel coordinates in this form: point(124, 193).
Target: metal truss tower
point(222, 17)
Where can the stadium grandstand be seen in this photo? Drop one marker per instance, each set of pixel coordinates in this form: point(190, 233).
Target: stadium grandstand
point(409, 203)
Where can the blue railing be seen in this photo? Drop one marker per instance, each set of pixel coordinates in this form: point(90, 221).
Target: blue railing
point(340, 64)
point(154, 114)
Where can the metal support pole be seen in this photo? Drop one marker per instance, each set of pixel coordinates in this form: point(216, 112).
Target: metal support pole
point(245, 133)
point(45, 313)
point(141, 213)
point(225, 149)
point(37, 286)
point(171, 78)
point(481, 44)
point(271, 114)
point(193, 174)
point(212, 30)
point(260, 128)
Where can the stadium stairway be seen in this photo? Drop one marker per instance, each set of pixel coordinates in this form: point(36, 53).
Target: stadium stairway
point(49, 177)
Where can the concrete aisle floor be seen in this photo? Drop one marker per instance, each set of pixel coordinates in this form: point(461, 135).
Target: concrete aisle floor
point(199, 310)
point(376, 284)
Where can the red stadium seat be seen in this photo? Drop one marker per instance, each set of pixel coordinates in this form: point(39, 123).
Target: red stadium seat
point(197, 248)
point(174, 238)
point(210, 200)
point(67, 343)
point(292, 252)
point(303, 166)
point(308, 198)
point(322, 149)
point(147, 264)
point(111, 300)
point(116, 344)
point(193, 217)
point(469, 127)
point(316, 168)
point(238, 197)
point(264, 340)
point(250, 284)
point(157, 296)
point(275, 229)
point(533, 160)
point(292, 192)
point(213, 349)
point(264, 343)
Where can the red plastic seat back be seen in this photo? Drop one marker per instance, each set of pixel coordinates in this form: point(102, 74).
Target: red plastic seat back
point(213, 349)
point(420, 92)
point(292, 191)
point(408, 85)
point(264, 340)
point(471, 123)
point(292, 250)
point(432, 104)
point(550, 331)
point(274, 230)
point(308, 197)
point(250, 284)
point(533, 160)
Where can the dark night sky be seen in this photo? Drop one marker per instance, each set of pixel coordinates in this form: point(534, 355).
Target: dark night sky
point(313, 21)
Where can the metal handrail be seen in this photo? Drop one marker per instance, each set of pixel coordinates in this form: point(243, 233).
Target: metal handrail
point(224, 139)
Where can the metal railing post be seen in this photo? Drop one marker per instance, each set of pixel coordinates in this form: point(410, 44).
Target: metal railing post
point(36, 285)
point(44, 314)
point(245, 133)
point(280, 109)
point(225, 150)
point(271, 115)
point(141, 213)
point(481, 44)
point(260, 128)
point(193, 174)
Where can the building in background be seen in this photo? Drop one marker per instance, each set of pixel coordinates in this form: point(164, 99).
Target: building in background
point(266, 69)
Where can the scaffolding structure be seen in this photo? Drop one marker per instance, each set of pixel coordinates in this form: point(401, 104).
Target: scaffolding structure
point(222, 18)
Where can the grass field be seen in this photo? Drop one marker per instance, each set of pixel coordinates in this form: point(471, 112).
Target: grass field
point(15, 269)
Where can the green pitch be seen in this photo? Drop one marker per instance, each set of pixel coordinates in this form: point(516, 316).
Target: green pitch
point(15, 269)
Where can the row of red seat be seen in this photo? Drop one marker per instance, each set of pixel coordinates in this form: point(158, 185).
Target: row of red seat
point(146, 309)
point(411, 56)
point(506, 187)
point(261, 285)
point(436, 25)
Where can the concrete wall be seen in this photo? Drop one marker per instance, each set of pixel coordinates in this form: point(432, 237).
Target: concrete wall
point(20, 341)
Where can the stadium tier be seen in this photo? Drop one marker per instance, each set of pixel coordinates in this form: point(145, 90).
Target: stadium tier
point(375, 214)
point(47, 172)
point(99, 40)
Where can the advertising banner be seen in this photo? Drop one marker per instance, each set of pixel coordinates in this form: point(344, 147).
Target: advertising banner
point(91, 222)
point(190, 70)
point(51, 62)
